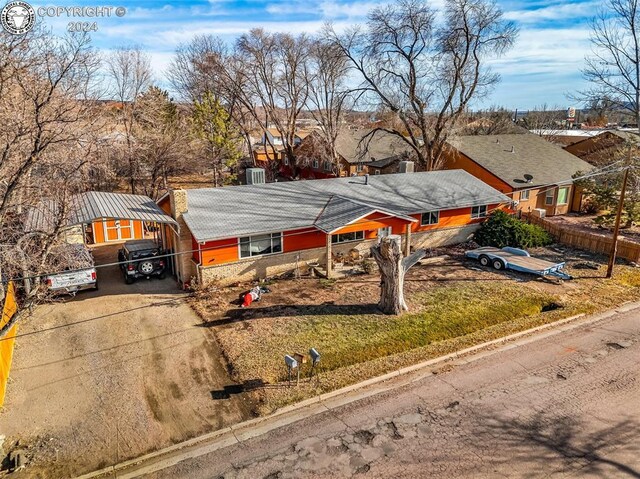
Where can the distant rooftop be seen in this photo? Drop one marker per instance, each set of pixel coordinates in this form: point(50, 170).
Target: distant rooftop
point(511, 157)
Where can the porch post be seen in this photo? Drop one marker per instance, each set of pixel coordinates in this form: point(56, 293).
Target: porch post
point(329, 262)
point(407, 239)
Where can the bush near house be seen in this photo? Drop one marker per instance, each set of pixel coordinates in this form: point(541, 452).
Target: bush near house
point(502, 230)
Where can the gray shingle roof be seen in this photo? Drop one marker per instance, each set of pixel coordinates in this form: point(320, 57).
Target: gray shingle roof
point(94, 205)
point(217, 213)
point(355, 148)
point(547, 163)
point(340, 211)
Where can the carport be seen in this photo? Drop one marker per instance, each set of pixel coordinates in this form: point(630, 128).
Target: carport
point(99, 218)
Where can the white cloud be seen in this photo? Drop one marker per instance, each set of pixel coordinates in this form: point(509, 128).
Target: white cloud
point(566, 12)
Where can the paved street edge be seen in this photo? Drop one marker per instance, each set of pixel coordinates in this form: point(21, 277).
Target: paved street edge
point(243, 431)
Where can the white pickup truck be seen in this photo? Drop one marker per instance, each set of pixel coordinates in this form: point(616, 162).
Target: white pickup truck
point(82, 275)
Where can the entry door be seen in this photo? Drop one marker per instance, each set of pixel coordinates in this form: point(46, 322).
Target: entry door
point(118, 230)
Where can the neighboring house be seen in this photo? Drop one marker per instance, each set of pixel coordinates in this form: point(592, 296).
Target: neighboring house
point(564, 137)
point(248, 232)
point(386, 166)
point(533, 172)
point(270, 147)
point(356, 149)
point(605, 147)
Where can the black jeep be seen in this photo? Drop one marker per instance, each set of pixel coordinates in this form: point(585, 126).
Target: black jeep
point(141, 259)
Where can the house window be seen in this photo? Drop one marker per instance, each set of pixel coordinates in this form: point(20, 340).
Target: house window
point(347, 237)
point(430, 218)
point(327, 166)
point(563, 194)
point(479, 211)
point(260, 245)
point(548, 198)
point(377, 172)
point(315, 164)
point(524, 195)
point(360, 167)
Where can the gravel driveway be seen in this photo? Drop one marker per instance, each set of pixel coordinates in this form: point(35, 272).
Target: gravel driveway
point(112, 374)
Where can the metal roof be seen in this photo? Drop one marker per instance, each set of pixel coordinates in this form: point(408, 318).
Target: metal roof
point(95, 205)
point(217, 213)
point(510, 157)
point(99, 204)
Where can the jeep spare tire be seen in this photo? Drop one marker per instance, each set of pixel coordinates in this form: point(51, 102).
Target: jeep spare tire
point(146, 267)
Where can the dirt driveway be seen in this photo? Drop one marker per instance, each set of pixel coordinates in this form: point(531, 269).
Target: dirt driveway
point(112, 374)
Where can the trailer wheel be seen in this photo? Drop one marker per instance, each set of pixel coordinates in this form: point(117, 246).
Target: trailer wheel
point(484, 260)
point(498, 264)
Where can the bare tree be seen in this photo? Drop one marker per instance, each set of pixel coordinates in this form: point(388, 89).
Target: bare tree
point(129, 70)
point(547, 122)
point(614, 65)
point(192, 71)
point(205, 67)
point(426, 73)
point(274, 70)
point(160, 140)
point(329, 96)
point(45, 85)
point(492, 121)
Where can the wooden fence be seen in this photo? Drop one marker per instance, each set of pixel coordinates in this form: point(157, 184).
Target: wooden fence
point(590, 241)
point(7, 342)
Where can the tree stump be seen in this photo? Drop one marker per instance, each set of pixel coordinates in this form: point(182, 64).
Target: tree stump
point(393, 266)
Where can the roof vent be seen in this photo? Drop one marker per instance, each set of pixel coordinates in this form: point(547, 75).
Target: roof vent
point(497, 141)
point(528, 177)
point(406, 167)
point(513, 149)
point(366, 179)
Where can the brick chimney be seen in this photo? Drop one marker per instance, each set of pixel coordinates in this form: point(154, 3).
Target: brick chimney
point(179, 202)
point(185, 268)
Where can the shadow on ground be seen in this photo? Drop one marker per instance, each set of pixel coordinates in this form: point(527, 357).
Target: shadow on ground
point(567, 442)
point(325, 309)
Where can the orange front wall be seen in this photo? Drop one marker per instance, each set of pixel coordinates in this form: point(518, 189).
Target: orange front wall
point(98, 228)
point(308, 238)
point(373, 222)
point(451, 219)
point(457, 161)
point(217, 252)
point(226, 250)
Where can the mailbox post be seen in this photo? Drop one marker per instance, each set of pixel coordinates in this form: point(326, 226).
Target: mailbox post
point(315, 359)
point(292, 364)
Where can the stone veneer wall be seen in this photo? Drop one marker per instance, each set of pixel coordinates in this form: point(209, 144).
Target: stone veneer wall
point(262, 267)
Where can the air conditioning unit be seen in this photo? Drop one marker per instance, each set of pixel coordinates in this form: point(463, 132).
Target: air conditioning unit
point(406, 167)
point(539, 212)
point(255, 176)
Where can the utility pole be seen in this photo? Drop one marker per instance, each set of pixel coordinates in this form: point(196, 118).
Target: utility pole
point(616, 228)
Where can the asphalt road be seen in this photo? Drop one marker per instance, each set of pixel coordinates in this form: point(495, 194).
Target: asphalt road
point(563, 406)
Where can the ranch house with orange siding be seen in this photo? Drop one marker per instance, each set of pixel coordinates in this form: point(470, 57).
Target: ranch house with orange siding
point(249, 232)
point(535, 174)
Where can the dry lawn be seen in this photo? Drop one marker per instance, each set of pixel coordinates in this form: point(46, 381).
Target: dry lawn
point(454, 304)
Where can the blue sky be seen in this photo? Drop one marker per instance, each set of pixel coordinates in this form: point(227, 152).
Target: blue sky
point(544, 65)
